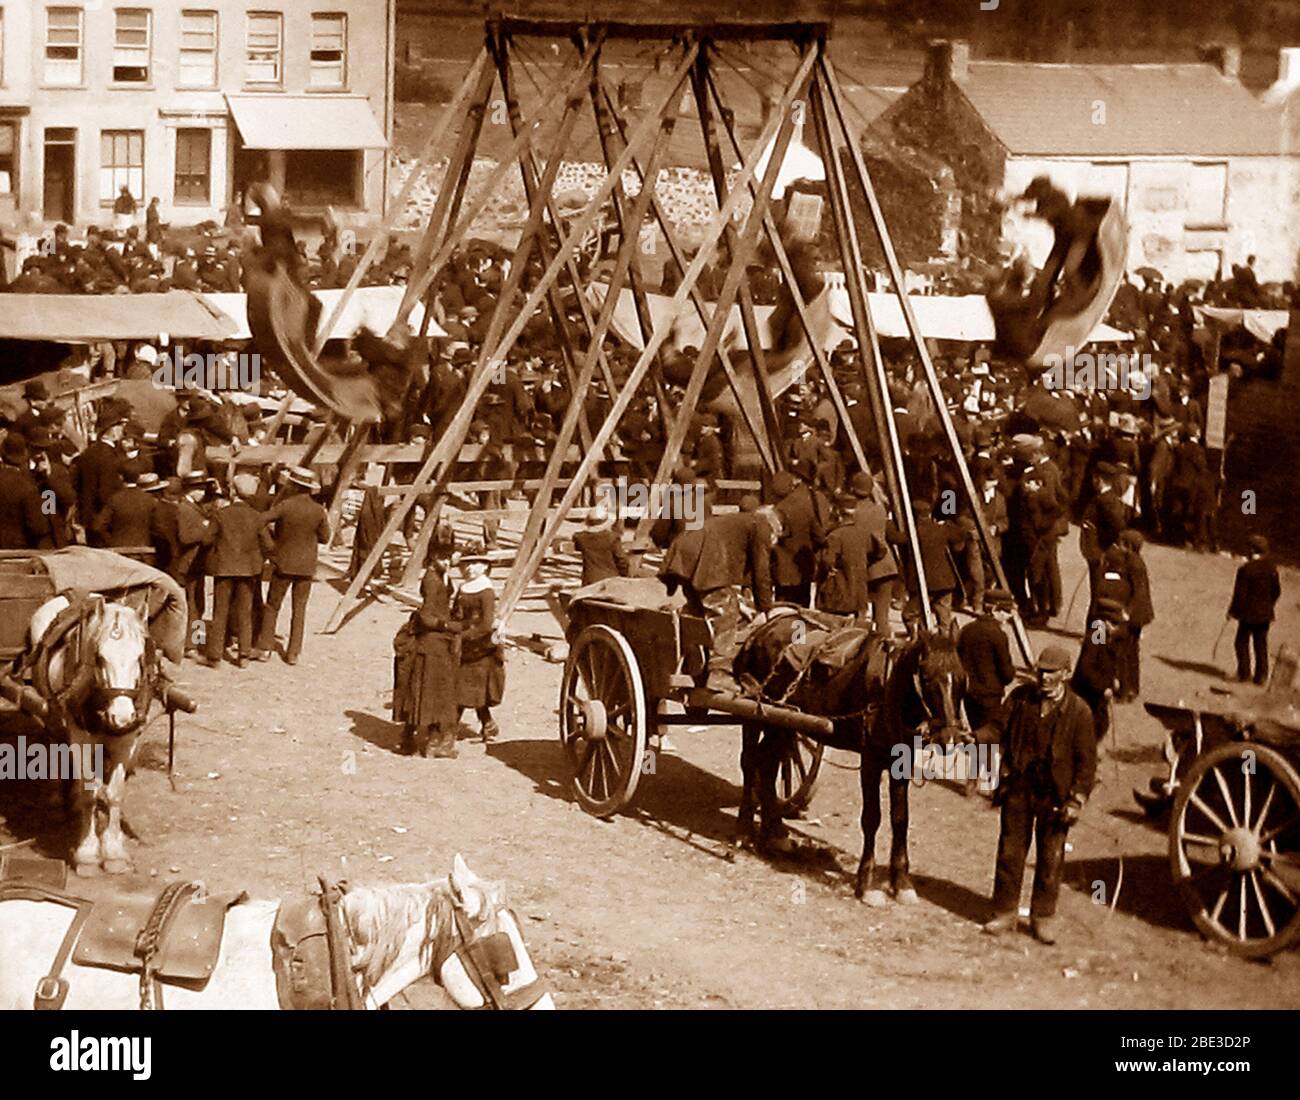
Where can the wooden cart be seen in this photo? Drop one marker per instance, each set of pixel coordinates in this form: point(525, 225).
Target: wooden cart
point(1234, 830)
point(632, 653)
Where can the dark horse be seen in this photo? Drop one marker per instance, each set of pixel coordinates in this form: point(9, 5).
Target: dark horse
point(879, 694)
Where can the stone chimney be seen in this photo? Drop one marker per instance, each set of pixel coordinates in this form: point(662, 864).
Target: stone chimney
point(948, 59)
point(1226, 58)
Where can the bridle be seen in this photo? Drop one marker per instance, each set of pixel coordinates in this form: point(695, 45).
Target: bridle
point(141, 696)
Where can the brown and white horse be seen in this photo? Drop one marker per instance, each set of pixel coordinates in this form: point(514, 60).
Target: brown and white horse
point(98, 678)
point(452, 929)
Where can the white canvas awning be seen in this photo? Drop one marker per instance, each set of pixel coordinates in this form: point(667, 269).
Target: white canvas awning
point(306, 122)
point(1260, 323)
point(374, 307)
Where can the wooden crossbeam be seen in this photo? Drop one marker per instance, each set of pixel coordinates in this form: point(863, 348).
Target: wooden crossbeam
point(711, 235)
point(782, 123)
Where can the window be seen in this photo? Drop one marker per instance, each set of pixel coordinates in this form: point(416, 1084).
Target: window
point(63, 46)
point(8, 151)
point(321, 177)
point(1207, 192)
point(131, 46)
point(197, 67)
point(265, 43)
point(121, 161)
point(192, 158)
point(329, 46)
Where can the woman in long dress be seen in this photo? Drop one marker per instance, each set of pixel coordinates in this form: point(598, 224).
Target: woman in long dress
point(482, 668)
point(426, 667)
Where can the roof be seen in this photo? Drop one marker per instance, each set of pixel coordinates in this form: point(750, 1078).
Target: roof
point(306, 122)
point(1149, 110)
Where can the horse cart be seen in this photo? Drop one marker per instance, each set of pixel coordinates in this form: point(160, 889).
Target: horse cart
point(1233, 796)
point(633, 653)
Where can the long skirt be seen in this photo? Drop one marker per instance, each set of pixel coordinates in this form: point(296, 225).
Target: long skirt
point(482, 682)
point(425, 683)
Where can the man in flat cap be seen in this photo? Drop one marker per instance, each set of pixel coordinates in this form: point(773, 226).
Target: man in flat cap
point(1048, 765)
point(1254, 597)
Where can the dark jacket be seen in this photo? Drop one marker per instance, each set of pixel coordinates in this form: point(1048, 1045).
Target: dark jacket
point(298, 523)
point(1103, 520)
point(193, 532)
point(237, 545)
point(874, 518)
point(935, 540)
point(804, 513)
point(97, 475)
point(1063, 756)
point(986, 657)
point(602, 555)
point(126, 520)
point(1256, 591)
point(732, 549)
point(1141, 610)
point(23, 524)
point(850, 549)
point(59, 482)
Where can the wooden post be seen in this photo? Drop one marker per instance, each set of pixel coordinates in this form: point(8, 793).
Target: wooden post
point(449, 445)
point(854, 279)
point(782, 122)
point(519, 577)
point(639, 371)
point(836, 99)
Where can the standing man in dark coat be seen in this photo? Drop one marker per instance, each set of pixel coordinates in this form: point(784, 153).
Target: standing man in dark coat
point(298, 523)
point(23, 523)
point(986, 656)
point(194, 531)
point(937, 541)
point(127, 518)
point(97, 472)
point(846, 561)
point(54, 481)
point(1254, 597)
point(235, 564)
point(1048, 765)
point(805, 515)
point(882, 574)
point(712, 563)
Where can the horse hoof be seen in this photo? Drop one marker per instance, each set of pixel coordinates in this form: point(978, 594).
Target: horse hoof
point(874, 898)
point(86, 870)
point(117, 866)
point(906, 897)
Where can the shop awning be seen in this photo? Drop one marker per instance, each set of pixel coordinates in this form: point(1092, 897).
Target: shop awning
point(86, 318)
point(375, 307)
point(306, 122)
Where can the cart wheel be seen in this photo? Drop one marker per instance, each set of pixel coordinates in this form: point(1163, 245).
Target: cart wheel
point(603, 720)
point(1234, 847)
point(797, 776)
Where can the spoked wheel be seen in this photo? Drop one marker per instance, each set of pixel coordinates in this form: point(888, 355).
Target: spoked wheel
point(1234, 847)
point(603, 720)
point(797, 775)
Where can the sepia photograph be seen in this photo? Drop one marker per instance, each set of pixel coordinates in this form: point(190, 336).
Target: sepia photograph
point(766, 507)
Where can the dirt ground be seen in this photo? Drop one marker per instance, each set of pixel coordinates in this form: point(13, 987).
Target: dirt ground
point(287, 772)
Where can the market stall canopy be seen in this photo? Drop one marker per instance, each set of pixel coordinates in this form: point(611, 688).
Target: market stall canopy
point(306, 122)
point(375, 307)
point(1262, 324)
point(87, 318)
point(964, 317)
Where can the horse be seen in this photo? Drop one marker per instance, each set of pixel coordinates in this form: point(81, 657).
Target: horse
point(97, 668)
point(878, 694)
point(458, 929)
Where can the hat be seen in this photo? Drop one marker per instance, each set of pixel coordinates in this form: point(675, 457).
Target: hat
point(194, 480)
point(149, 482)
point(1054, 658)
point(147, 353)
point(245, 485)
point(862, 484)
point(14, 449)
point(1107, 469)
point(783, 484)
point(172, 487)
point(1258, 543)
point(35, 391)
point(750, 503)
point(303, 476)
point(111, 414)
